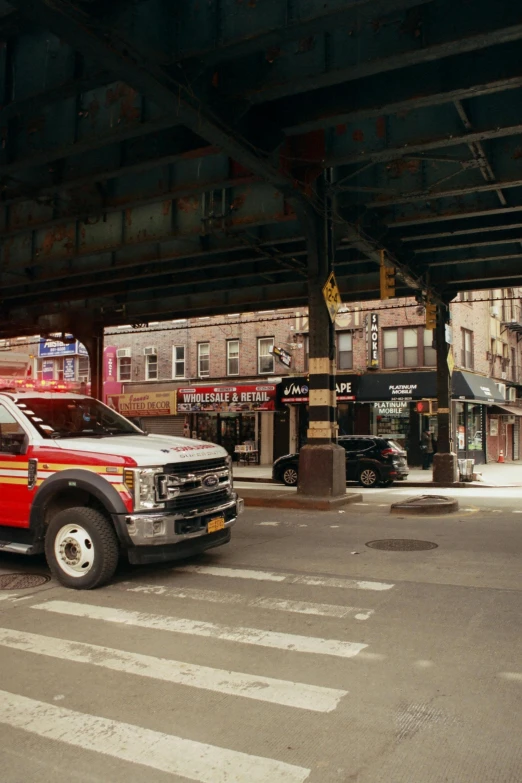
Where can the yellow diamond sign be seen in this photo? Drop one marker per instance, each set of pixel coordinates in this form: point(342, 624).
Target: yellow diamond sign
point(451, 361)
point(332, 296)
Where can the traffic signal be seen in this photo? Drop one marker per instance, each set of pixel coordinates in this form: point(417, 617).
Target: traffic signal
point(424, 407)
point(387, 277)
point(431, 316)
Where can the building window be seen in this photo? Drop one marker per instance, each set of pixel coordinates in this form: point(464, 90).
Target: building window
point(178, 361)
point(390, 347)
point(203, 360)
point(232, 357)
point(344, 351)
point(513, 365)
point(430, 354)
point(124, 368)
point(411, 349)
point(265, 359)
point(151, 367)
point(467, 349)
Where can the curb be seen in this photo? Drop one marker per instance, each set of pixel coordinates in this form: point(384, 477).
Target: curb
point(401, 484)
point(272, 499)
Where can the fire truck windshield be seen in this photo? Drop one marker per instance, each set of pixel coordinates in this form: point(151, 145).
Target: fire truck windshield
point(69, 417)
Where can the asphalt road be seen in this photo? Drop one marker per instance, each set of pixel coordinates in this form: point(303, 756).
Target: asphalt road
point(296, 653)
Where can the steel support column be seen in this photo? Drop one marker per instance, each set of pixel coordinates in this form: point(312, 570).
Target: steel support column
point(322, 463)
point(445, 460)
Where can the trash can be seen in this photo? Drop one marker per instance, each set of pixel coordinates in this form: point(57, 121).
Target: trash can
point(466, 469)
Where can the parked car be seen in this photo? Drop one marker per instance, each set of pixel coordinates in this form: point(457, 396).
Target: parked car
point(370, 460)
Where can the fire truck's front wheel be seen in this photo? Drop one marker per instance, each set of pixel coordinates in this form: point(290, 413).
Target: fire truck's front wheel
point(81, 548)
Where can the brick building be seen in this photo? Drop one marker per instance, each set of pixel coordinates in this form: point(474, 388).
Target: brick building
point(386, 375)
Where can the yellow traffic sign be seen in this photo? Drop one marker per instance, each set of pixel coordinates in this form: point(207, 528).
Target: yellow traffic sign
point(451, 361)
point(332, 296)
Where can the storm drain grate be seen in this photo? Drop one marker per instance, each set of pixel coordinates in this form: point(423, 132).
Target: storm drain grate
point(401, 545)
point(21, 581)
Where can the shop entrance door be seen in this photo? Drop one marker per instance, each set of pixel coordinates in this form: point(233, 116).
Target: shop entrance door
point(281, 433)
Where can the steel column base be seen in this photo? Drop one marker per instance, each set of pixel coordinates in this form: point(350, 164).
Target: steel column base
point(445, 469)
point(322, 471)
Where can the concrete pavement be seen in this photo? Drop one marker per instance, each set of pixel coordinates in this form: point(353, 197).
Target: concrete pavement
point(297, 653)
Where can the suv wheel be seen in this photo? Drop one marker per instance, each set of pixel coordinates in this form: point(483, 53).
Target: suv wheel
point(81, 548)
point(289, 477)
point(368, 477)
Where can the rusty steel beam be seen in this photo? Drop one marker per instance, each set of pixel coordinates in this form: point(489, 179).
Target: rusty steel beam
point(320, 18)
point(434, 143)
point(429, 195)
point(419, 219)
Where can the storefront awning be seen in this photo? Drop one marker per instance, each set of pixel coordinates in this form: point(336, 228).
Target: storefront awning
point(376, 387)
point(467, 386)
point(227, 398)
point(506, 410)
point(296, 389)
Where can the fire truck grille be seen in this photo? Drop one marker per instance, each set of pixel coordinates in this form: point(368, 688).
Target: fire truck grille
point(199, 467)
point(201, 501)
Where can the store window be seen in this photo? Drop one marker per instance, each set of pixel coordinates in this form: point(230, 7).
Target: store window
point(203, 360)
point(410, 338)
point(474, 427)
point(344, 351)
point(178, 361)
point(467, 349)
point(84, 370)
point(265, 359)
point(124, 368)
point(151, 367)
point(430, 354)
point(232, 357)
point(390, 349)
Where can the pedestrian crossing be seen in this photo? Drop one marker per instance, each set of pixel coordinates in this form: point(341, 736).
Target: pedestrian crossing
point(135, 618)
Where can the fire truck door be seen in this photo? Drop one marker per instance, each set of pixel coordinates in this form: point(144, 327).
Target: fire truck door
point(15, 495)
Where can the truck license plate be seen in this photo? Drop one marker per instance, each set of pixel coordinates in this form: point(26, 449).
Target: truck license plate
point(218, 523)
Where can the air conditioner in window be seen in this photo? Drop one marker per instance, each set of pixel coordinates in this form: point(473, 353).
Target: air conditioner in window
point(494, 312)
point(502, 389)
point(150, 350)
point(512, 394)
point(503, 375)
point(123, 353)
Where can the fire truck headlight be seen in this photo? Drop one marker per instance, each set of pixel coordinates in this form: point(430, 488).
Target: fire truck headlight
point(143, 486)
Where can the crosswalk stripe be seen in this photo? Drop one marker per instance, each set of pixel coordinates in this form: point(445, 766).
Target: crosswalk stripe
point(270, 576)
point(273, 604)
point(163, 752)
point(255, 636)
point(283, 692)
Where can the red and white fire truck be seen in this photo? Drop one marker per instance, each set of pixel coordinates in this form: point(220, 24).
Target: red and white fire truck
point(81, 483)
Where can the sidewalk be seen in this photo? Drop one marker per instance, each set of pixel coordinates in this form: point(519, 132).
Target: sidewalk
point(493, 474)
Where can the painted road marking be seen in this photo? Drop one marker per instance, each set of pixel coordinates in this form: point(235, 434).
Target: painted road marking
point(511, 676)
point(268, 524)
point(272, 604)
point(255, 636)
point(128, 742)
point(287, 693)
point(270, 576)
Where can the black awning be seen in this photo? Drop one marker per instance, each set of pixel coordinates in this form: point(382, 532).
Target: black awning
point(414, 385)
point(467, 386)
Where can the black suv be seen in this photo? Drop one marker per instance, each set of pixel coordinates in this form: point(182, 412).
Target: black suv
point(370, 460)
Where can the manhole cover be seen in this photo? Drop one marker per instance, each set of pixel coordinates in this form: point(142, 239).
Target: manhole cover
point(401, 545)
point(21, 581)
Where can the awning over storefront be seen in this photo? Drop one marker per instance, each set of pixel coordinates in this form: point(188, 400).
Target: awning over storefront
point(227, 398)
point(376, 387)
point(506, 410)
point(467, 386)
point(296, 389)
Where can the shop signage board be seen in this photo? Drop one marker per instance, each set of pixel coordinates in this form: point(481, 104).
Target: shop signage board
point(396, 408)
point(144, 403)
point(54, 347)
point(332, 296)
point(283, 356)
point(372, 340)
point(294, 390)
point(251, 397)
point(69, 368)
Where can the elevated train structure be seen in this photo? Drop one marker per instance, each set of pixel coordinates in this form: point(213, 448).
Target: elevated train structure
point(164, 160)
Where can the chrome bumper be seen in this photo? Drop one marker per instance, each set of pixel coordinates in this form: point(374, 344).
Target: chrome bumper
point(159, 529)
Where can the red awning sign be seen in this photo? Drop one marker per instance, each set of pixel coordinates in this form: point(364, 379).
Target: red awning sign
point(254, 397)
